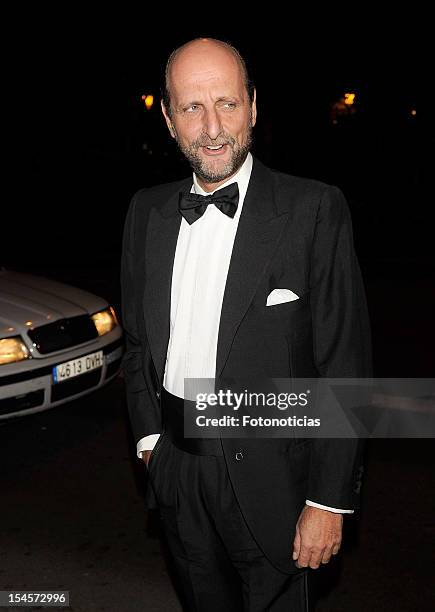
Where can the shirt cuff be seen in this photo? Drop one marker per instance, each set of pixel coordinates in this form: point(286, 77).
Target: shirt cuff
point(146, 443)
point(337, 510)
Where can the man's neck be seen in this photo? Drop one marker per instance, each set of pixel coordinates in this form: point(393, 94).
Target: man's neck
point(210, 187)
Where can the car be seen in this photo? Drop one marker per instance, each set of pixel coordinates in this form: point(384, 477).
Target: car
point(57, 343)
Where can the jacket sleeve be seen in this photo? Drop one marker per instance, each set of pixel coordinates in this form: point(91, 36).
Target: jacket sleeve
point(138, 368)
point(341, 344)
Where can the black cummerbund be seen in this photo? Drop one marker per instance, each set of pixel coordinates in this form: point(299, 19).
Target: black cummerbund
point(173, 421)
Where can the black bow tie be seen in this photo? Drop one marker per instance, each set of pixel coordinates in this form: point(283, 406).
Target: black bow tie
point(192, 205)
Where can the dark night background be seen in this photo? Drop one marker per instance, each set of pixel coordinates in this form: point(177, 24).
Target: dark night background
point(85, 143)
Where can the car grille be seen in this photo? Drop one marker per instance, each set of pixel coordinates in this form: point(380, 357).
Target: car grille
point(75, 385)
point(22, 402)
point(63, 334)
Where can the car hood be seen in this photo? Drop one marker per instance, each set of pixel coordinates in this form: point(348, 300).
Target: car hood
point(27, 298)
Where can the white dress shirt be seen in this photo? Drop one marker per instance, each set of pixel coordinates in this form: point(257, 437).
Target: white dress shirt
point(202, 259)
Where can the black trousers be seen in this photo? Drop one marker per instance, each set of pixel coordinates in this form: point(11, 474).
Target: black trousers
point(217, 562)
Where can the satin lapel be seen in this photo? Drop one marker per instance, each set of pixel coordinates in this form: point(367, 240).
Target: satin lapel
point(161, 241)
point(258, 233)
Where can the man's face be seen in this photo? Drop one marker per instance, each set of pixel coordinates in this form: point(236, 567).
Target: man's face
point(211, 116)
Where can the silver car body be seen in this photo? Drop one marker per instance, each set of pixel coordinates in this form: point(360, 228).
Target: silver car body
point(29, 303)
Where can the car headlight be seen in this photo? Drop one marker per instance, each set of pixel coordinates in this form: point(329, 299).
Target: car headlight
point(12, 349)
point(105, 321)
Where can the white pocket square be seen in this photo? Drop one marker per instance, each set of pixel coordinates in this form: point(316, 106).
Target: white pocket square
point(280, 296)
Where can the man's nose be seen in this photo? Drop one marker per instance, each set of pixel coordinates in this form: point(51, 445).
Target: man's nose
point(212, 123)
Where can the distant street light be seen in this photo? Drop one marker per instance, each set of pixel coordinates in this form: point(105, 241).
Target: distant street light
point(344, 107)
point(148, 100)
point(349, 98)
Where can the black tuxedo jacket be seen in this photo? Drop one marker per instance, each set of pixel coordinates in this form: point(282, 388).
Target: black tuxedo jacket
point(293, 233)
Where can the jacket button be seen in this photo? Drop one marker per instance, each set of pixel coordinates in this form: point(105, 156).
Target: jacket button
point(239, 456)
point(158, 394)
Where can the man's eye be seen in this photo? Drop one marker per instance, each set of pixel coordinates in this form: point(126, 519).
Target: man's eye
point(191, 109)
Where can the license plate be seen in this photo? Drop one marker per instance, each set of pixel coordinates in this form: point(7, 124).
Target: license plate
point(75, 367)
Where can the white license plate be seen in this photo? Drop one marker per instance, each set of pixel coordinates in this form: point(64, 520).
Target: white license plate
point(75, 367)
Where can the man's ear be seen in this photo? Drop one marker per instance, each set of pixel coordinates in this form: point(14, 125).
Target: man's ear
point(167, 119)
point(254, 109)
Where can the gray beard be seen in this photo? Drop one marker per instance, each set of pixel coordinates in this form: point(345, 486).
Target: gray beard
point(199, 166)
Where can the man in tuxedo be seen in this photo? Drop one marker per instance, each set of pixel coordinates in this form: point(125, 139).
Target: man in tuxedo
point(244, 519)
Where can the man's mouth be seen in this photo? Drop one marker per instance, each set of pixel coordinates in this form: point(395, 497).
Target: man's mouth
point(214, 149)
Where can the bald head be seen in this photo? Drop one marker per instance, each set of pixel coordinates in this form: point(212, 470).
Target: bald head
point(204, 54)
